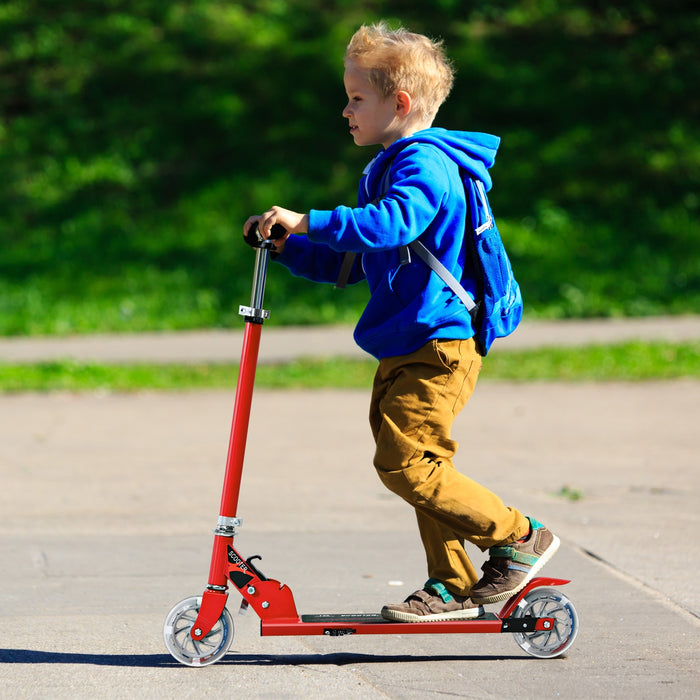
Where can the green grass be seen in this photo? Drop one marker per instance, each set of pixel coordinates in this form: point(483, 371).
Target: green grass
point(635, 361)
point(626, 362)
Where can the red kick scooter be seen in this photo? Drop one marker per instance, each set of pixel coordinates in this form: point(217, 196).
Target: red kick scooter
point(199, 630)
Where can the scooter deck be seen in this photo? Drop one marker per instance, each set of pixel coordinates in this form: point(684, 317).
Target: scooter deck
point(338, 625)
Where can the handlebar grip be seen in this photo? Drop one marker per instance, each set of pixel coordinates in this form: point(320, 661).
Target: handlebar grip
point(253, 238)
point(277, 231)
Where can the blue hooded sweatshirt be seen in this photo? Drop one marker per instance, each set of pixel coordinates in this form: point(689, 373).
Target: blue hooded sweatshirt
point(409, 304)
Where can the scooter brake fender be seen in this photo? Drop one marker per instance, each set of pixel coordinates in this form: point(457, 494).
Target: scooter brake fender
point(512, 602)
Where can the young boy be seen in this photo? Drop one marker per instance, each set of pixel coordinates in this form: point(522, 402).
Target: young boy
point(416, 327)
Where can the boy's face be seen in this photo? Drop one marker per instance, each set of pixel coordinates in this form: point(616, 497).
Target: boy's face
point(372, 117)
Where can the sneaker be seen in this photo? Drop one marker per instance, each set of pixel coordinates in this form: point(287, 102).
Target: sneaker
point(512, 566)
point(431, 604)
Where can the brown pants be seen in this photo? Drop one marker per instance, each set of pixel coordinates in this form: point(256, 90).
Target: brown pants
point(415, 400)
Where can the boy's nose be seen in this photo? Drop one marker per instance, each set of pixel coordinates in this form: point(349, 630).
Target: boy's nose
point(346, 111)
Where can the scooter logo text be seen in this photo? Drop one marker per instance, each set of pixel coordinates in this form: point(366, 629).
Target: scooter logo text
point(235, 559)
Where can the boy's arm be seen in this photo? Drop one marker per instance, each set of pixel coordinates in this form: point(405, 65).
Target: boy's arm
point(315, 262)
point(303, 258)
point(404, 212)
point(401, 216)
point(398, 217)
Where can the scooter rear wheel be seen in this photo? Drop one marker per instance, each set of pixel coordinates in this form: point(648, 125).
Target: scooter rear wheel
point(547, 602)
point(190, 652)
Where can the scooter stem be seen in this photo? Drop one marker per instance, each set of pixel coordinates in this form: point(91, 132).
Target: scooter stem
point(241, 420)
point(255, 315)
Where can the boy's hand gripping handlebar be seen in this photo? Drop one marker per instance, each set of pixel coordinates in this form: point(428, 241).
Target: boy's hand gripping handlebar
point(253, 238)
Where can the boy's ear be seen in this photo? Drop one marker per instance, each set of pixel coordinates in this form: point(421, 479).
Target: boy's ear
point(403, 103)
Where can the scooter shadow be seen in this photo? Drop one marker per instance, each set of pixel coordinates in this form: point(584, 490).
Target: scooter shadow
point(34, 656)
point(346, 659)
point(31, 656)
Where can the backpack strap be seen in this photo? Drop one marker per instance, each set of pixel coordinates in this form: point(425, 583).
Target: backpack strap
point(445, 275)
point(441, 271)
point(485, 207)
point(345, 269)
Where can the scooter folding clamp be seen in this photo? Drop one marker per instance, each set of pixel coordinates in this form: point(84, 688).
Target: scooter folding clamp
point(228, 527)
point(257, 315)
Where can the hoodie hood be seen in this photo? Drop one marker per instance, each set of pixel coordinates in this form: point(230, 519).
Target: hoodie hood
point(473, 151)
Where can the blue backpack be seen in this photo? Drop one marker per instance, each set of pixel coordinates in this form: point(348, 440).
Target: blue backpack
point(498, 308)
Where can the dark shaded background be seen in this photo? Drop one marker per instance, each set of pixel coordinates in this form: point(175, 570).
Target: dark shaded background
point(137, 135)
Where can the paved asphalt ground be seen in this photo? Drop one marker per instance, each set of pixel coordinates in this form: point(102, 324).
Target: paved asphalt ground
point(108, 501)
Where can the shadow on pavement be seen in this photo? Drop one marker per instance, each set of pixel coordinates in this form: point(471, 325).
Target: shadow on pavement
point(30, 656)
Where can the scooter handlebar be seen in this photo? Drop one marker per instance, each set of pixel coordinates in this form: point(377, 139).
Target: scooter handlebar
point(253, 238)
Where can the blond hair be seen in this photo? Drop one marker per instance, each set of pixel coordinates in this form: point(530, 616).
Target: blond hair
point(396, 59)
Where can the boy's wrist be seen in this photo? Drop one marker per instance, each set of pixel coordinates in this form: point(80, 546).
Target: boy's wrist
point(304, 224)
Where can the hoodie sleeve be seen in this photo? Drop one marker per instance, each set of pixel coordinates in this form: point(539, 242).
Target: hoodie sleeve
point(419, 181)
point(318, 263)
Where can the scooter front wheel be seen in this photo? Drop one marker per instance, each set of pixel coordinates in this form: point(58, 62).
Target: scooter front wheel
point(547, 602)
point(191, 652)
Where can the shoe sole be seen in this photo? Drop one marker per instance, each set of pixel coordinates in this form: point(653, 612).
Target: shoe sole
point(536, 568)
point(397, 616)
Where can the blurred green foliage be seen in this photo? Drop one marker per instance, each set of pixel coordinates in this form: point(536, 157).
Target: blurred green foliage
point(137, 135)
